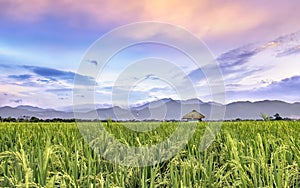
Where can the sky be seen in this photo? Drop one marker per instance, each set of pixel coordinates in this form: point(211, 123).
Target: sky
point(256, 45)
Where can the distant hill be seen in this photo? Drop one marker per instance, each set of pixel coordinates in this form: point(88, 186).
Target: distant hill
point(168, 109)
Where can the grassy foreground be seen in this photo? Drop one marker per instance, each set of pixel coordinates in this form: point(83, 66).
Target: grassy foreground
point(244, 154)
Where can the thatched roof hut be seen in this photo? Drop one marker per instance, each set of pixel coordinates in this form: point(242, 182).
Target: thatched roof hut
point(193, 116)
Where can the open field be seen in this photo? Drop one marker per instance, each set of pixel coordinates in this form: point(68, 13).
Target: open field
point(244, 154)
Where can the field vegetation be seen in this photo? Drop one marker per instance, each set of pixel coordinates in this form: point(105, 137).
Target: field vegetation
point(244, 154)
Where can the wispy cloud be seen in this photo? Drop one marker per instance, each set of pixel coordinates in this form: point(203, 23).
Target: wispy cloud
point(59, 75)
point(93, 62)
point(20, 77)
point(290, 51)
point(52, 74)
point(238, 56)
point(16, 100)
point(62, 90)
point(234, 64)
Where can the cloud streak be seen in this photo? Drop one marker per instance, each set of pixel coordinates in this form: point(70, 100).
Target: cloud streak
point(16, 100)
point(59, 75)
point(238, 56)
point(20, 77)
point(290, 51)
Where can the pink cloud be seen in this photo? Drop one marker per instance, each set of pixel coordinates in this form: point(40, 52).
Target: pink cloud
point(208, 19)
point(22, 10)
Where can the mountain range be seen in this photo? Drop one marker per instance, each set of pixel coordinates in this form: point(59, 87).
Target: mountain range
point(163, 109)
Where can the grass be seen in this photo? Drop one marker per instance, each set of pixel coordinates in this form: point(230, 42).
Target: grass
point(244, 154)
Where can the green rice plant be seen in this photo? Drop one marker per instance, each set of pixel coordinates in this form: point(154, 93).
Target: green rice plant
point(243, 154)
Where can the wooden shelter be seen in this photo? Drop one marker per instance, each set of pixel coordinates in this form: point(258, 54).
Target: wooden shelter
point(193, 116)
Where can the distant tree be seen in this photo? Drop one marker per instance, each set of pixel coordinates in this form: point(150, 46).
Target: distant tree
point(277, 117)
point(69, 120)
point(9, 119)
point(57, 120)
point(34, 119)
point(265, 116)
point(20, 119)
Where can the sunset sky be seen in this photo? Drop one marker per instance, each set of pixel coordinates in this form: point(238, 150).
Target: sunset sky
point(42, 42)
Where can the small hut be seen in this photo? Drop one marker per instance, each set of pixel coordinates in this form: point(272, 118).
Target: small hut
point(193, 116)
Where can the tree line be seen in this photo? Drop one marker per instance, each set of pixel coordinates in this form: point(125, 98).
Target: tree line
point(275, 117)
point(264, 117)
point(34, 119)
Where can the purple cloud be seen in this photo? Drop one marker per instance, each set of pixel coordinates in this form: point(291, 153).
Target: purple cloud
point(16, 100)
point(237, 57)
point(57, 75)
point(290, 51)
point(20, 77)
point(285, 89)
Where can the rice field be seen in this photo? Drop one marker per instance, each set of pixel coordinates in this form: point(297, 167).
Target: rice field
point(244, 154)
